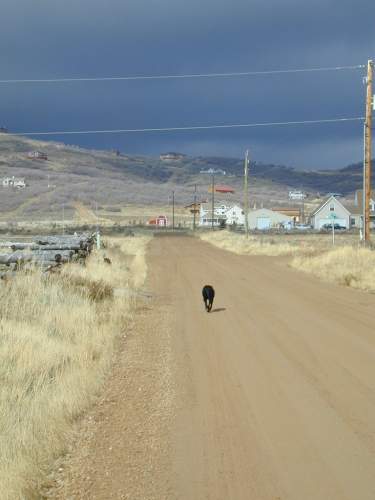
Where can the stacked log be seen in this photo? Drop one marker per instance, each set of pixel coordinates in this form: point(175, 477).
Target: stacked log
point(48, 251)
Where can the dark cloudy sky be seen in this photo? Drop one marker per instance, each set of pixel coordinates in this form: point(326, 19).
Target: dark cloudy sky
point(73, 38)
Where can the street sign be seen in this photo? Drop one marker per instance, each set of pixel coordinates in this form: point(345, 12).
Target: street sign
point(333, 216)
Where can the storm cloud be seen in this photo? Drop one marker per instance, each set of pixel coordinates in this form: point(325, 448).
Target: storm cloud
point(50, 39)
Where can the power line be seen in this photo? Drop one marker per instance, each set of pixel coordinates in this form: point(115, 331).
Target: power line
point(174, 77)
point(195, 127)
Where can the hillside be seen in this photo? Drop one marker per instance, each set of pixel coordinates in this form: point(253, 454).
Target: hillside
point(74, 177)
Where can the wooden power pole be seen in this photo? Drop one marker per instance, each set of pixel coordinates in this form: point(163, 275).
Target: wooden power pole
point(195, 207)
point(213, 200)
point(368, 153)
point(246, 193)
point(172, 210)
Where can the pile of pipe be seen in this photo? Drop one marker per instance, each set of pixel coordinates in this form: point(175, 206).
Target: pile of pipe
point(47, 251)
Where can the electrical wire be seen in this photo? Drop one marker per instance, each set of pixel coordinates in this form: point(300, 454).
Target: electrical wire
point(174, 77)
point(195, 127)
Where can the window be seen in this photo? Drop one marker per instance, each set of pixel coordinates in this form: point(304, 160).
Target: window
point(332, 207)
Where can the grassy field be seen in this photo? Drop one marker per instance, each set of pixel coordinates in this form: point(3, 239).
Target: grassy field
point(58, 338)
point(348, 266)
point(275, 245)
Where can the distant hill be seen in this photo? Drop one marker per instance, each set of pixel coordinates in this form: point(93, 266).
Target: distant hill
point(74, 175)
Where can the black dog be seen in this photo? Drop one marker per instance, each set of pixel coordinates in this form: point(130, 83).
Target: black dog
point(208, 294)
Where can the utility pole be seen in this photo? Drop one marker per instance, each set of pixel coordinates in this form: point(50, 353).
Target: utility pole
point(303, 209)
point(172, 210)
point(213, 200)
point(63, 214)
point(212, 172)
point(195, 207)
point(98, 243)
point(368, 147)
point(246, 193)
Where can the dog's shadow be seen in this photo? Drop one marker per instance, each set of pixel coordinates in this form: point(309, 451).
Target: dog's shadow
point(218, 309)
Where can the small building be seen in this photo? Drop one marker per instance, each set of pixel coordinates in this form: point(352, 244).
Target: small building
point(37, 155)
point(357, 210)
point(358, 200)
point(331, 209)
point(297, 195)
point(14, 182)
point(172, 156)
point(160, 220)
point(264, 219)
point(293, 212)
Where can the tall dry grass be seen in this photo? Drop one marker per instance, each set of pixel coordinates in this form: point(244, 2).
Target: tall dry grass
point(256, 245)
point(349, 266)
point(275, 245)
point(57, 340)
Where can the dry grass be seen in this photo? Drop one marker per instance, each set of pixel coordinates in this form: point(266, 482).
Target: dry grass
point(276, 245)
point(348, 266)
point(273, 246)
point(57, 339)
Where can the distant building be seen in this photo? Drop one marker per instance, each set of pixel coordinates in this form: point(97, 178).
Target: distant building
point(336, 195)
point(331, 209)
point(195, 207)
point(161, 221)
point(293, 212)
point(357, 210)
point(37, 155)
point(297, 195)
point(15, 182)
point(230, 215)
point(172, 156)
point(264, 219)
point(235, 215)
point(3, 130)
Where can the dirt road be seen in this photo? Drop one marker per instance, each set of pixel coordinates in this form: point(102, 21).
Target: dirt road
point(274, 391)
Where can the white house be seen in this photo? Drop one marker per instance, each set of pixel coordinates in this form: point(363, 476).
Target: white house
point(331, 209)
point(16, 182)
point(37, 155)
point(297, 195)
point(231, 215)
point(235, 215)
point(172, 156)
